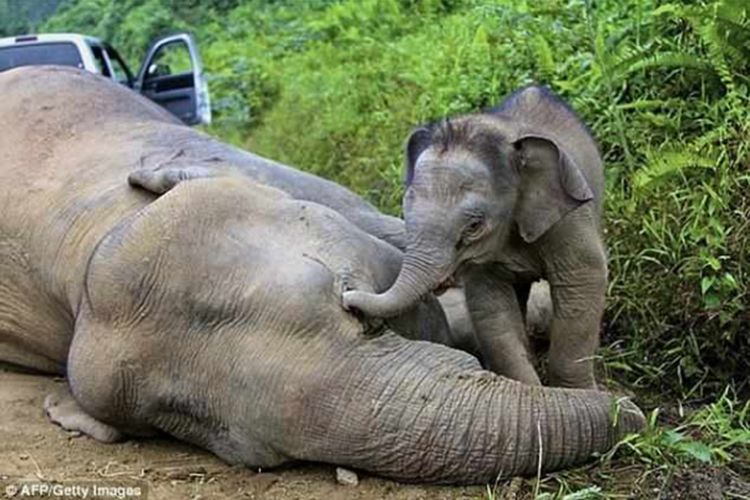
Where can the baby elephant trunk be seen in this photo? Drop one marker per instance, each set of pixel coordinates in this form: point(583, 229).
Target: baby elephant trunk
point(420, 274)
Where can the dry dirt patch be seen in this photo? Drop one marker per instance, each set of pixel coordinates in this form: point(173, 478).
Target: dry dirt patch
point(33, 449)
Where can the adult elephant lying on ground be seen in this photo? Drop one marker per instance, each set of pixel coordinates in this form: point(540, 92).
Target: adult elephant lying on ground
point(213, 313)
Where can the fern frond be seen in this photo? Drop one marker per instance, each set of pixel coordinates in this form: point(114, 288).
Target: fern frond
point(646, 104)
point(661, 165)
point(724, 29)
point(670, 59)
point(734, 38)
point(544, 56)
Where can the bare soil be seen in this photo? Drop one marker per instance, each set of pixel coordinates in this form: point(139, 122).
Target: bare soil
point(32, 450)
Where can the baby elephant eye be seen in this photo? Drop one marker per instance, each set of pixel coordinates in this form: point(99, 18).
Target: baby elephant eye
point(474, 227)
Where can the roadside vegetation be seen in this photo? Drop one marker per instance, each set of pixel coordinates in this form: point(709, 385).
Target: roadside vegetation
point(335, 87)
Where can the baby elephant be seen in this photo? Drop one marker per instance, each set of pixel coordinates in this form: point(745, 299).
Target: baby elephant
point(503, 199)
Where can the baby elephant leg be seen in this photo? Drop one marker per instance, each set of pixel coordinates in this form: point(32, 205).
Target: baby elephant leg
point(64, 410)
point(499, 327)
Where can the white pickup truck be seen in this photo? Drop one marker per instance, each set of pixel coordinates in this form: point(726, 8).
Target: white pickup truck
point(170, 75)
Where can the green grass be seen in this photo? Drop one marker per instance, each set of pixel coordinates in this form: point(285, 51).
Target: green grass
point(662, 88)
point(711, 441)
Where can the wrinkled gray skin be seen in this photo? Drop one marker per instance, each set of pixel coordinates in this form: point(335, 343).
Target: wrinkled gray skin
point(161, 171)
point(213, 312)
point(503, 199)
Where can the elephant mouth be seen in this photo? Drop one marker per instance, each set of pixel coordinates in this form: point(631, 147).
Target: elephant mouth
point(443, 286)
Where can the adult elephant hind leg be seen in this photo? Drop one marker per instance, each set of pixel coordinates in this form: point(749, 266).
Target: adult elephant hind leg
point(62, 409)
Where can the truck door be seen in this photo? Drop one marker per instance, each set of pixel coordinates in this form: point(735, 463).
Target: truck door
point(172, 76)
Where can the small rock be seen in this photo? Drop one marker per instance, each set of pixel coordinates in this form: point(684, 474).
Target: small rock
point(346, 477)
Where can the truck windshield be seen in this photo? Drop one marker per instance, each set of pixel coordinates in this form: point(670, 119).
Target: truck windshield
point(62, 53)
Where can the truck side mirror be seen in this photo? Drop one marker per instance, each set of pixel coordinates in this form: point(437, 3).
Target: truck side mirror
point(158, 69)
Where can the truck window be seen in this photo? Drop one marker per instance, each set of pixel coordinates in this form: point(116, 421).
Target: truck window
point(101, 64)
point(62, 53)
point(120, 69)
point(171, 59)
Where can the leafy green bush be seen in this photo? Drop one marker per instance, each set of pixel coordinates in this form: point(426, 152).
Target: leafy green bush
point(335, 87)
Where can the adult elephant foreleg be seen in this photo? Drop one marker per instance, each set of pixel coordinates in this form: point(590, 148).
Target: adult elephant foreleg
point(499, 326)
point(62, 409)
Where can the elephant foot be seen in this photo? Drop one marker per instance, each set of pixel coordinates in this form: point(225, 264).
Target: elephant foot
point(579, 382)
point(523, 372)
point(575, 374)
point(64, 410)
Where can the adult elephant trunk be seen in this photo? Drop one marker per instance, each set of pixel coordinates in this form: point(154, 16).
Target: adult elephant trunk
point(421, 272)
point(421, 412)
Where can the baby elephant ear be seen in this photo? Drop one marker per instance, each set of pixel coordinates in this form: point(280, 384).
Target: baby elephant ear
point(551, 185)
point(419, 140)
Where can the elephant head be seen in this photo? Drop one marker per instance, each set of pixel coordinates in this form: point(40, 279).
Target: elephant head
point(473, 182)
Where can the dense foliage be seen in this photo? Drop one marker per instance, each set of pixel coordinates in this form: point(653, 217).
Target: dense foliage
point(18, 17)
point(334, 87)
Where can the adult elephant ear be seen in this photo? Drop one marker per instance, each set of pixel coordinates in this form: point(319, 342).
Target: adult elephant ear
point(551, 185)
point(419, 140)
